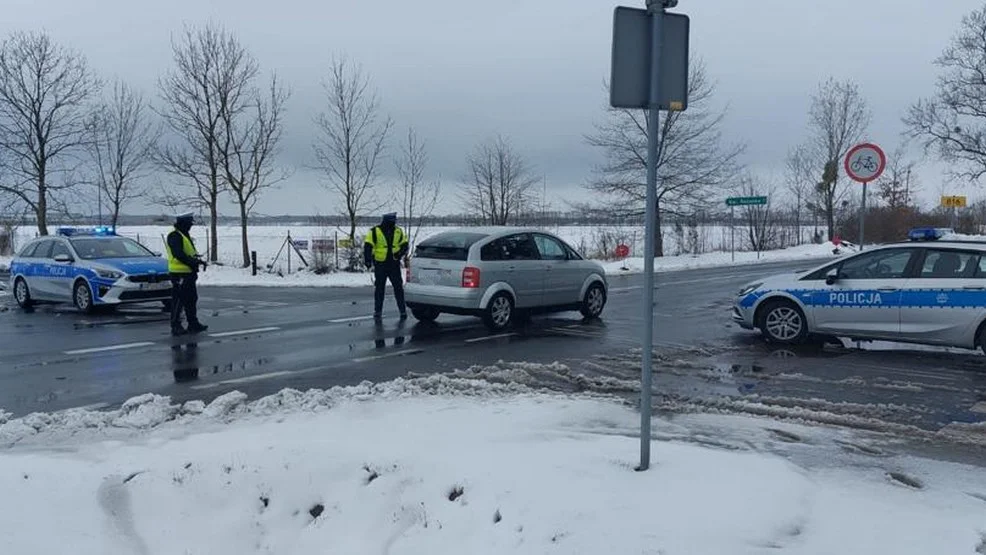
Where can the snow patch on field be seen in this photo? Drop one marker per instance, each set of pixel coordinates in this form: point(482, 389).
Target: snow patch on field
point(385, 469)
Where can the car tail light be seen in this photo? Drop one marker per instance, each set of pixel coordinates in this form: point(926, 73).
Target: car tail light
point(470, 277)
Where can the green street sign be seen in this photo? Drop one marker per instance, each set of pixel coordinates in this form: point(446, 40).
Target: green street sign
point(746, 201)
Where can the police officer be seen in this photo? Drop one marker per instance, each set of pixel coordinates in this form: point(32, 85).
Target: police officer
point(183, 265)
point(386, 245)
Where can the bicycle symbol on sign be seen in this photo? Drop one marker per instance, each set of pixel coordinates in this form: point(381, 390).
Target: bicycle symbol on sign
point(865, 163)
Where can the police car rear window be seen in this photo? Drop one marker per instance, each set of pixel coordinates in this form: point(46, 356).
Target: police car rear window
point(447, 246)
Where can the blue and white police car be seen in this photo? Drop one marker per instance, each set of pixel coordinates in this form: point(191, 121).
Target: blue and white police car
point(89, 268)
point(930, 291)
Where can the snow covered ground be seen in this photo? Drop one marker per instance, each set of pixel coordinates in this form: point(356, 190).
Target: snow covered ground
point(440, 465)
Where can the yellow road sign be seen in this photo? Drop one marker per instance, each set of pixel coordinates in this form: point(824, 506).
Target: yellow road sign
point(953, 202)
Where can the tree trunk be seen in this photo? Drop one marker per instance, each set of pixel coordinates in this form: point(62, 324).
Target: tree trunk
point(213, 227)
point(42, 212)
point(658, 235)
point(243, 234)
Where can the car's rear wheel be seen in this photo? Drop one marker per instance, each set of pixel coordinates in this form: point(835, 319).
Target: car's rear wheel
point(499, 312)
point(783, 322)
point(22, 294)
point(82, 297)
point(425, 314)
point(594, 301)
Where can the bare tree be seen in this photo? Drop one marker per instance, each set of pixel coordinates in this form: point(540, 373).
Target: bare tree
point(897, 187)
point(212, 71)
point(802, 185)
point(761, 220)
point(419, 197)
point(953, 122)
point(121, 142)
point(44, 92)
point(692, 162)
point(252, 128)
point(352, 135)
point(837, 120)
point(499, 182)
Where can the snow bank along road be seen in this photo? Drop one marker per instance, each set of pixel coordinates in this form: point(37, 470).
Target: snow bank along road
point(264, 339)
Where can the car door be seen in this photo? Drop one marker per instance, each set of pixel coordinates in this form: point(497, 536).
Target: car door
point(514, 260)
point(864, 300)
point(945, 300)
point(558, 272)
point(38, 279)
point(61, 274)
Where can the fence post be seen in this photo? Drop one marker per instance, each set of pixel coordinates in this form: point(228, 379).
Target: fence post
point(335, 248)
point(290, 247)
point(253, 262)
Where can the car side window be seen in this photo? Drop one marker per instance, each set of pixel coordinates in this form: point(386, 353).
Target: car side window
point(885, 264)
point(59, 248)
point(550, 249)
point(492, 251)
point(519, 247)
point(981, 268)
point(27, 251)
point(43, 250)
point(948, 264)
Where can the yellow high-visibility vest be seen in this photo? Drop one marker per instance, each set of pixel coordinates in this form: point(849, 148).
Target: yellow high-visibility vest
point(176, 266)
point(381, 252)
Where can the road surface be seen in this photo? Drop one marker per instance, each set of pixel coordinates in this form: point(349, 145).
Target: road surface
point(264, 339)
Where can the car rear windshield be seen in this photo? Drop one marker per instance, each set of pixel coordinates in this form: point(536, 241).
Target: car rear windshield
point(115, 247)
point(447, 246)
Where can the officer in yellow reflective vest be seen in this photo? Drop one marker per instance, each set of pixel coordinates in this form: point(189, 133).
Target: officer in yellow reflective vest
point(386, 245)
point(183, 265)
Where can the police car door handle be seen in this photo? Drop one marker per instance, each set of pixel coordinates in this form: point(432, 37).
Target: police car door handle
point(974, 287)
point(888, 289)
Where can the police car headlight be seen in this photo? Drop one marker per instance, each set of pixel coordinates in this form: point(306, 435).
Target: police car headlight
point(749, 289)
point(109, 274)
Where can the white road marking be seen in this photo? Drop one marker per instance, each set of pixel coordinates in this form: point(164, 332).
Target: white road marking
point(389, 355)
point(245, 379)
point(490, 338)
point(243, 332)
point(353, 319)
point(110, 348)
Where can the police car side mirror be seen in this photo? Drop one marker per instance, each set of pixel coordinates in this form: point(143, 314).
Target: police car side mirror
point(63, 258)
point(832, 276)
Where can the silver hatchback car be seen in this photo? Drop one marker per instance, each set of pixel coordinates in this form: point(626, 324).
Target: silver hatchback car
point(498, 273)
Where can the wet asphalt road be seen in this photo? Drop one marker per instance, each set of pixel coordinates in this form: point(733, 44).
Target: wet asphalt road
point(264, 339)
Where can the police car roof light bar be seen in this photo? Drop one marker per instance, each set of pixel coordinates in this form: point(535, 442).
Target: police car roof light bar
point(106, 231)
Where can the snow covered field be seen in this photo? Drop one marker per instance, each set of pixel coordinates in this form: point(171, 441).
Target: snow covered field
point(267, 241)
point(439, 465)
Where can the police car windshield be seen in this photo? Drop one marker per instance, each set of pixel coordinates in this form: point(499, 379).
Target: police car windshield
point(91, 248)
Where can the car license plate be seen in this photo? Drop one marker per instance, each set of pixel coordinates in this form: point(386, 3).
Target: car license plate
point(155, 286)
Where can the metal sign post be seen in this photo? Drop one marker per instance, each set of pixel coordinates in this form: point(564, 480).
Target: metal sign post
point(649, 71)
point(864, 163)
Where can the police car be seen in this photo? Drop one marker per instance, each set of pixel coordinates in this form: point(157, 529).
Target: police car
point(930, 291)
point(89, 268)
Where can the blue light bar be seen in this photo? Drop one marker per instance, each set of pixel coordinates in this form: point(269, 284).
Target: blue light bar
point(928, 233)
point(99, 231)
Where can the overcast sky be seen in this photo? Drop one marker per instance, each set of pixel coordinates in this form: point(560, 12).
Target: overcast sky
point(533, 70)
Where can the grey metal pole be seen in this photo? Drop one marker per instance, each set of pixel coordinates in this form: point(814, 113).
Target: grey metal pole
point(732, 232)
point(656, 8)
point(862, 220)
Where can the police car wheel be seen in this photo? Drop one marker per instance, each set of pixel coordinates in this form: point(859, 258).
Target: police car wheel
point(981, 339)
point(82, 297)
point(22, 294)
point(499, 313)
point(783, 322)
